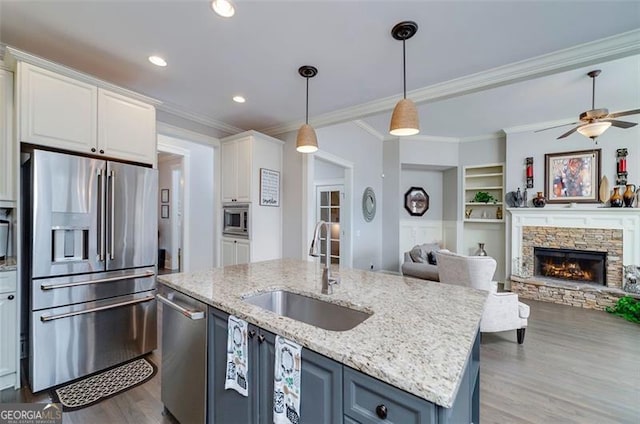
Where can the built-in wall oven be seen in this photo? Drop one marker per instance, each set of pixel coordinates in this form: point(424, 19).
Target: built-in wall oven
point(236, 220)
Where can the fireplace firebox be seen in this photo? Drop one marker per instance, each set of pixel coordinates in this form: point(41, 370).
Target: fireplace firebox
point(569, 264)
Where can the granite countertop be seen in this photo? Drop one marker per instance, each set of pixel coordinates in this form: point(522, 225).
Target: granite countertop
point(418, 338)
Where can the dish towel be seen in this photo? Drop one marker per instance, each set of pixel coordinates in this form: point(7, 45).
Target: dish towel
point(286, 382)
point(237, 360)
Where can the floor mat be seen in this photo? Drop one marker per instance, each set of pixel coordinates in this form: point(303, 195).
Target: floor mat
point(95, 388)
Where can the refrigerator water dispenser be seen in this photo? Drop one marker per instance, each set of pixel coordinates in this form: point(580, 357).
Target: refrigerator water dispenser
point(70, 244)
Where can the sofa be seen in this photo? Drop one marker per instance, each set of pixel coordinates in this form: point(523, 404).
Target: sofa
point(420, 262)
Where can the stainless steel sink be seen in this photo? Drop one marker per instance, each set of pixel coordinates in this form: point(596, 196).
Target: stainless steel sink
point(309, 310)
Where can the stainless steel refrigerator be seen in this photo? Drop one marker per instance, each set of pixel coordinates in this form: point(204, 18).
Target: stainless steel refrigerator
point(90, 242)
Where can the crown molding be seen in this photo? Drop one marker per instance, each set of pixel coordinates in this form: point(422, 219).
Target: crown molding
point(80, 76)
point(538, 126)
point(486, 137)
point(199, 118)
point(606, 49)
point(368, 128)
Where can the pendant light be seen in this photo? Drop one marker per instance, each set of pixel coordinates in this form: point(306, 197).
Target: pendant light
point(404, 120)
point(307, 142)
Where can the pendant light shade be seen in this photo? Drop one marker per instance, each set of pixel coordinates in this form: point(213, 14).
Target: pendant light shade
point(594, 129)
point(306, 141)
point(404, 120)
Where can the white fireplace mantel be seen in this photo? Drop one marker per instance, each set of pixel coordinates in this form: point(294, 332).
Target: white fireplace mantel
point(625, 219)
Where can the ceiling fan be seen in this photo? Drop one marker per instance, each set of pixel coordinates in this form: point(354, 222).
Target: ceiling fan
point(594, 122)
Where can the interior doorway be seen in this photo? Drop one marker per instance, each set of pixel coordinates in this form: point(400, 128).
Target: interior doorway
point(329, 205)
point(170, 212)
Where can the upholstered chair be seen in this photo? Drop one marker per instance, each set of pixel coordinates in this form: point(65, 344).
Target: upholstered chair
point(502, 311)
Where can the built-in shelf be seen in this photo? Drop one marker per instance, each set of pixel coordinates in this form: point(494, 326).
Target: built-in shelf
point(485, 220)
point(488, 178)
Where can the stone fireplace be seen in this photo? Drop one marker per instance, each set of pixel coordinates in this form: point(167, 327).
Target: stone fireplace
point(573, 256)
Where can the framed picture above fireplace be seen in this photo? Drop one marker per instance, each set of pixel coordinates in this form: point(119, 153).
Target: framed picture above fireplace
point(572, 177)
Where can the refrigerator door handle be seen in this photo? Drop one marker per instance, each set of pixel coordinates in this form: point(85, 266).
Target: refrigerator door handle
point(101, 213)
point(112, 213)
point(97, 281)
point(45, 318)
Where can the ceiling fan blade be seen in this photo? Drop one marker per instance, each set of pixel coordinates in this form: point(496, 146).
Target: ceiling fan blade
point(568, 133)
point(557, 126)
point(623, 113)
point(621, 124)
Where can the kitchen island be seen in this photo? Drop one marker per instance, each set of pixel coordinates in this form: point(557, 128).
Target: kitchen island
point(422, 337)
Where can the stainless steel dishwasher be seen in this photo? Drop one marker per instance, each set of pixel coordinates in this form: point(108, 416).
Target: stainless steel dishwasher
point(184, 356)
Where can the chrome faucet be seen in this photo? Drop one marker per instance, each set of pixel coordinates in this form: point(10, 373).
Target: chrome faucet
point(314, 250)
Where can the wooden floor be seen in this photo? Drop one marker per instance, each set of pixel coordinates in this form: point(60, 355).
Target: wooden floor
point(576, 366)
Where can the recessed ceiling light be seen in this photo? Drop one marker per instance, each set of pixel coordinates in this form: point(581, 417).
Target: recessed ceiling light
point(223, 8)
point(239, 99)
point(158, 61)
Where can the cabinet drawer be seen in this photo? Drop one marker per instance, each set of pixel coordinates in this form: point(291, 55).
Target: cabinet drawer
point(7, 281)
point(363, 395)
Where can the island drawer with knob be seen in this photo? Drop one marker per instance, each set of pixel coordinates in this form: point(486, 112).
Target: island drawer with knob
point(368, 400)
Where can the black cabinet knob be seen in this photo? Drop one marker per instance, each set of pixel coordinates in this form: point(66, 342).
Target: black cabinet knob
point(101, 151)
point(252, 334)
point(11, 297)
point(93, 149)
point(261, 338)
point(381, 411)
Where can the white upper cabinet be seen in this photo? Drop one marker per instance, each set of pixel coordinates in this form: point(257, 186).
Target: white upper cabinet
point(55, 110)
point(126, 127)
point(236, 170)
point(62, 112)
point(7, 158)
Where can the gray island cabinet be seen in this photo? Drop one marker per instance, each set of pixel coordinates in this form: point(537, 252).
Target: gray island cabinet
point(414, 359)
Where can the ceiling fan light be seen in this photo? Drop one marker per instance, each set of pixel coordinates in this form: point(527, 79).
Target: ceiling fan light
point(306, 142)
point(404, 120)
point(223, 8)
point(594, 129)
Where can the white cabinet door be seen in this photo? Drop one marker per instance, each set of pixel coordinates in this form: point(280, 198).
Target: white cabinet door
point(243, 168)
point(56, 111)
point(228, 157)
point(7, 282)
point(243, 255)
point(126, 128)
point(228, 252)
point(8, 336)
point(7, 159)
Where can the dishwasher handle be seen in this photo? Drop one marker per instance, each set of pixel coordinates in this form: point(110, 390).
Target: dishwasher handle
point(193, 315)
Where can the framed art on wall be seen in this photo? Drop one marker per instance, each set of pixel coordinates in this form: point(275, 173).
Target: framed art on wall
point(269, 187)
point(572, 177)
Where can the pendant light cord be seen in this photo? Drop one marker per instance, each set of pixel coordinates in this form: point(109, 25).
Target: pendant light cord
point(306, 119)
point(404, 70)
point(593, 94)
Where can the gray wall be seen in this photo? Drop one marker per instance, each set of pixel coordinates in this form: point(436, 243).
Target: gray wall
point(431, 182)
point(390, 211)
point(324, 170)
point(350, 143)
point(484, 151)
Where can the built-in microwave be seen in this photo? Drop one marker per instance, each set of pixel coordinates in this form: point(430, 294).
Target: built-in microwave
point(236, 220)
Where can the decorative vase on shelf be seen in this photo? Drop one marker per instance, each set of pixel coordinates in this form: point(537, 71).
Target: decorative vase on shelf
point(499, 213)
point(616, 198)
point(539, 201)
point(481, 251)
point(629, 195)
point(604, 191)
point(638, 198)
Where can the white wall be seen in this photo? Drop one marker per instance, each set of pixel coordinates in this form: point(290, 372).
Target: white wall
point(199, 208)
point(324, 171)
point(391, 199)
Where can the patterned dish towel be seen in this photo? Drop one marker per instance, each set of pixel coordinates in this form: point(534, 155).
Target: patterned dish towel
point(286, 382)
point(237, 360)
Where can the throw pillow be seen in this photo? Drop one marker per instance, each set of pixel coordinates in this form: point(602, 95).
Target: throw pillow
point(418, 255)
point(431, 257)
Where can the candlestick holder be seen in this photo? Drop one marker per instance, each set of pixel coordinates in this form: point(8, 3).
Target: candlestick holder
point(529, 172)
point(621, 167)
